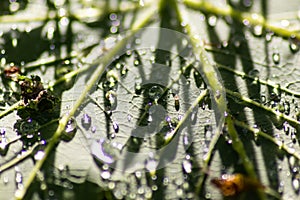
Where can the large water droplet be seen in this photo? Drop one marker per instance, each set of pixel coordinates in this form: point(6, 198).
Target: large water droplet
point(70, 130)
point(155, 92)
point(276, 58)
point(103, 151)
point(86, 121)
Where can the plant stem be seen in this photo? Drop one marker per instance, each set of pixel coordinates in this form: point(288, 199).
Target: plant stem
point(104, 61)
point(212, 79)
point(238, 146)
point(244, 100)
point(253, 18)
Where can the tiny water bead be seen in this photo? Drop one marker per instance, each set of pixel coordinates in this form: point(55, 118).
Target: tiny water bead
point(86, 121)
point(70, 130)
point(276, 58)
point(115, 126)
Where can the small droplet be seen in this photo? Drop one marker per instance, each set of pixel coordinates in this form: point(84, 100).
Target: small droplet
point(115, 126)
point(155, 92)
point(86, 121)
point(70, 130)
point(19, 179)
point(218, 94)
point(105, 174)
point(187, 166)
point(151, 165)
point(276, 58)
point(103, 151)
point(138, 88)
point(5, 179)
point(296, 184)
point(286, 128)
point(93, 129)
point(176, 100)
point(247, 3)
point(39, 155)
point(294, 44)
point(258, 30)
point(212, 20)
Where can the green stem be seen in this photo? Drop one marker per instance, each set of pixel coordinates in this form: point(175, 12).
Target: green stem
point(238, 146)
point(212, 78)
point(263, 82)
point(253, 18)
point(258, 132)
point(10, 109)
point(104, 61)
point(244, 100)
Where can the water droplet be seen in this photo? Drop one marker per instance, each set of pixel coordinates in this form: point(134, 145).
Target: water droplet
point(19, 180)
point(70, 130)
point(296, 184)
point(187, 166)
point(3, 145)
point(93, 129)
point(155, 92)
point(151, 165)
point(154, 187)
point(105, 174)
point(103, 151)
point(218, 94)
point(115, 126)
point(286, 127)
point(257, 30)
point(138, 88)
point(269, 36)
point(86, 121)
point(247, 3)
point(39, 155)
point(212, 20)
point(166, 181)
point(5, 179)
point(294, 44)
point(176, 102)
point(276, 58)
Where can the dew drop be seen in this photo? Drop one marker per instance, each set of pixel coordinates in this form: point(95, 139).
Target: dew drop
point(154, 187)
point(258, 30)
point(5, 179)
point(151, 165)
point(138, 88)
point(70, 130)
point(86, 121)
point(294, 44)
point(155, 92)
point(187, 166)
point(276, 58)
point(19, 180)
point(105, 174)
point(39, 155)
point(212, 20)
point(93, 129)
point(286, 128)
point(3, 145)
point(296, 184)
point(269, 36)
point(176, 102)
point(115, 126)
point(103, 151)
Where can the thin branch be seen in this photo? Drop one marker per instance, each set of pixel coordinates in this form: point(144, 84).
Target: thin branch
point(249, 102)
point(253, 18)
